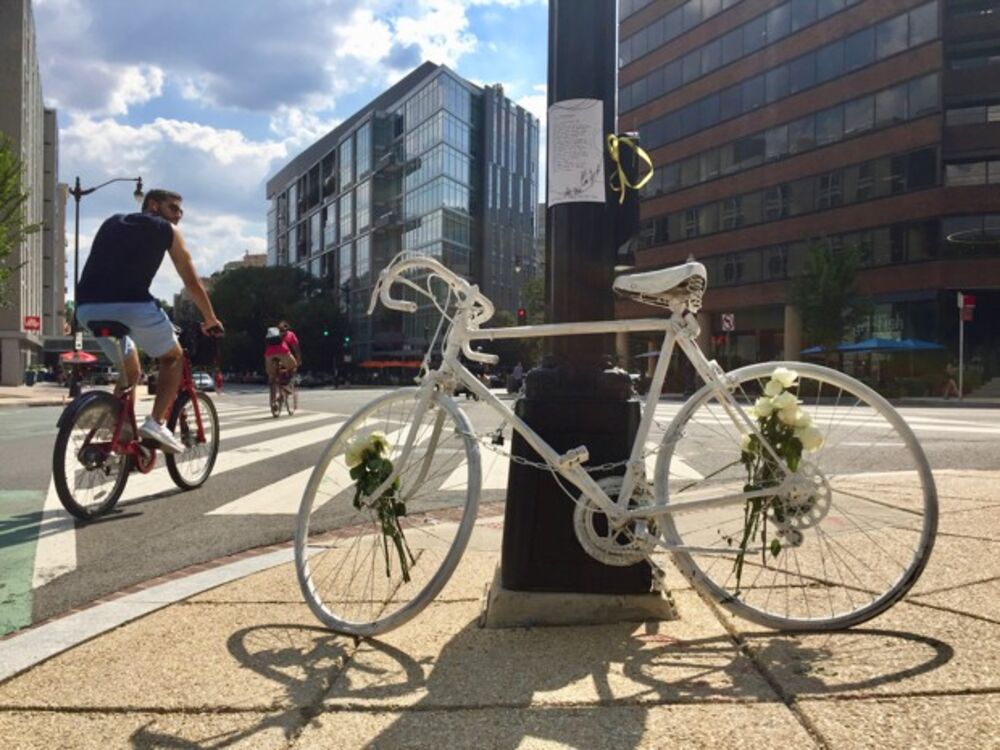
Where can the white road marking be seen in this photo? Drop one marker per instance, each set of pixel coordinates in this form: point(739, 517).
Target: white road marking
point(55, 553)
point(284, 496)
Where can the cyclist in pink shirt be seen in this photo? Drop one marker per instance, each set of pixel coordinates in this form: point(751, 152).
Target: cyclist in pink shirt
point(282, 351)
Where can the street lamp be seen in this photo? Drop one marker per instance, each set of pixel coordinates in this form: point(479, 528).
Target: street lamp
point(77, 192)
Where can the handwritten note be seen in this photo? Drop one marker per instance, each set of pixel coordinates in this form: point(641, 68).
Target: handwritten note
point(576, 152)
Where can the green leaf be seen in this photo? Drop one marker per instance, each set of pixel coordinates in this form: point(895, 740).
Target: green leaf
point(775, 547)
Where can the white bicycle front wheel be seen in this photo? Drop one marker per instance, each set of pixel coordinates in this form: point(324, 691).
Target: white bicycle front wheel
point(358, 576)
point(843, 543)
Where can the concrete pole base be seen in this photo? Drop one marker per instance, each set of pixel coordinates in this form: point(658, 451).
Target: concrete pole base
point(503, 608)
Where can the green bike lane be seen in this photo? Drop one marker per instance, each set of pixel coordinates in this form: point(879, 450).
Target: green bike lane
point(26, 439)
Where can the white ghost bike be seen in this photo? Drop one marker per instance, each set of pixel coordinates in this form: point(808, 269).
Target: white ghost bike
point(792, 494)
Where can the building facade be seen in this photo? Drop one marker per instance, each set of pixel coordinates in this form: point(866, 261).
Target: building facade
point(22, 121)
point(778, 124)
point(434, 165)
point(54, 322)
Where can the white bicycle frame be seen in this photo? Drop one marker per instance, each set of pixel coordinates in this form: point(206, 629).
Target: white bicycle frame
point(680, 330)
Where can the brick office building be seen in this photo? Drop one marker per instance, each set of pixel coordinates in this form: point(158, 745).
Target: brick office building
point(774, 123)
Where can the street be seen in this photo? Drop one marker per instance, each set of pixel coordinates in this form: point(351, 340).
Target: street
point(49, 564)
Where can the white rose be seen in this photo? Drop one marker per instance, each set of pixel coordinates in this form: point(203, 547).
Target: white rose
point(810, 437)
point(378, 442)
point(789, 415)
point(763, 407)
point(773, 387)
point(745, 442)
point(802, 420)
point(785, 376)
point(785, 401)
point(355, 452)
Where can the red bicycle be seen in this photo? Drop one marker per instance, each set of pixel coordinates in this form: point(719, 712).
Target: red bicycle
point(99, 443)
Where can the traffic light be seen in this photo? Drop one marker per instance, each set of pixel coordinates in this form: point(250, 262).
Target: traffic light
point(326, 331)
point(522, 316)
point(347, 340)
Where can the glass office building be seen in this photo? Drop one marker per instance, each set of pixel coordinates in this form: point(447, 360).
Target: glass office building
point(434, 165)
point(774, 124)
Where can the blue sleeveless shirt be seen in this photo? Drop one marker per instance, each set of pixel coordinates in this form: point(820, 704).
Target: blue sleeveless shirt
point(124, 257)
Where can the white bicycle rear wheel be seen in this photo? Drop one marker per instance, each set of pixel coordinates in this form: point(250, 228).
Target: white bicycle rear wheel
point(854, 535)
point(350, 572)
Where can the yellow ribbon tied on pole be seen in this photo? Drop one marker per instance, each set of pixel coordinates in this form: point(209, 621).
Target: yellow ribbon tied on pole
point(619, 180)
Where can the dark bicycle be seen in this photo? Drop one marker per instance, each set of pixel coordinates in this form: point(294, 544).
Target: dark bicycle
point(99, 443)
point(283, 392)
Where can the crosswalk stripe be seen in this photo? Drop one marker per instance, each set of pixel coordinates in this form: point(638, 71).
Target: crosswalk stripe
point(284, 496)
point(227, 433)
point(55, 555)
point(234, 458)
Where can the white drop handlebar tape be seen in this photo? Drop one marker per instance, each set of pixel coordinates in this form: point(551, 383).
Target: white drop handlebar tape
point(469, 295)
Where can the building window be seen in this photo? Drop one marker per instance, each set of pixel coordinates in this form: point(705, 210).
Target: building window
point(891, 36)
point(692, 225)
point(971, 173)
point(776, 265)
point(859, 49)
point(890, 106)
point(346, 162)
point(776, 202)
point(829, 126)
point(829, 192)
point(859, 115)
point(923, 24)
point(732, 216)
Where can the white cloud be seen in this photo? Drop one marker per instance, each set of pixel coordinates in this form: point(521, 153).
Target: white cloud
point(363, 37)
point(439, 30)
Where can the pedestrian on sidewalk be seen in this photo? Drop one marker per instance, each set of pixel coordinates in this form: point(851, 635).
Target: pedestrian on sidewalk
point(950, 386)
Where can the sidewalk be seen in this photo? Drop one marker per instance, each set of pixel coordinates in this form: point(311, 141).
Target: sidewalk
point(246, 664)
point(46, 394)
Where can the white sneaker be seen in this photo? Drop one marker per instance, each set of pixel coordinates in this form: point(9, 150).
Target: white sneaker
point(161, 436)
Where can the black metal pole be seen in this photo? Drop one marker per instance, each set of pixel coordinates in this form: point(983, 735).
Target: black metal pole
point(574, 399)
point(74, 382)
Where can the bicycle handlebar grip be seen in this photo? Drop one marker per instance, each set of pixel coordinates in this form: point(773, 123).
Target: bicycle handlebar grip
point(396, 304)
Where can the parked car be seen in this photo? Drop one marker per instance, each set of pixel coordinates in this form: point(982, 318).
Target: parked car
point(104, 376)
point(203, 381)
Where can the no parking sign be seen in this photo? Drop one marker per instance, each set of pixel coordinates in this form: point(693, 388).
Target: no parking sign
point(728, 322)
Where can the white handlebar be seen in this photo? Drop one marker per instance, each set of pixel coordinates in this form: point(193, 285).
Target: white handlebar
point(467, 292)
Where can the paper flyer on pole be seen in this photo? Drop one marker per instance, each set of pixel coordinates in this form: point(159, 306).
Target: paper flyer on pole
point(576, 152)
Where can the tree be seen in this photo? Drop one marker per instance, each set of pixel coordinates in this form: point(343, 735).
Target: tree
point(248, 300)
point(825, 294)
point(13, 200)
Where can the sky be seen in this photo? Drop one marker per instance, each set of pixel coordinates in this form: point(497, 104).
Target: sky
point(210, 98)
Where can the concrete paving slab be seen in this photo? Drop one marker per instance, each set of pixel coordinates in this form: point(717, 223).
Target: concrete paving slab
point(279, 585)
point(956, 561)
point(945, 721)
point(729, 725)
point(964, 489)
point(192, 657)
point(909, 650)
point(45, 730)
point(443, 660)
point(975, 599)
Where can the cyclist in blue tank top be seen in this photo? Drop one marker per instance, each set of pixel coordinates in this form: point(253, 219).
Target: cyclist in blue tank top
point(126, 254)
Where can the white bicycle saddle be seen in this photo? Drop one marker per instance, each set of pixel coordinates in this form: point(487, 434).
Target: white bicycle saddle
point(660, 286)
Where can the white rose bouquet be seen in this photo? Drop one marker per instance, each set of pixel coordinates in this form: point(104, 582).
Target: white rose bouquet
point(365, 457)
point(789, 431)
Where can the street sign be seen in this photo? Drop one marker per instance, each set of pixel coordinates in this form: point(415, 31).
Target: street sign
point(32, 323)
point(966, 300)
point(78, 341)
point(728, 321)
point(967, 311)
